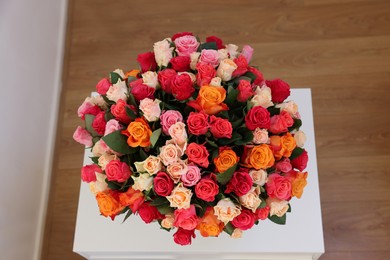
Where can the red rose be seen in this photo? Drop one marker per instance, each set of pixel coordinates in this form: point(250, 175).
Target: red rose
point(220, 128)
point(99, 123)
point(141, 91)
point(117, 171)
point(165, 78)
point(257, 117)
point(163, 184)
point(242, 66)
point(259, 76)
point(132, 198)
point(217, 40)
point(103, 86)
point(245, 90)
point(206, 73)
point(245, 220)
point(88, 172)
point(181, 63)
point(183, 237)
point(262, 213)
point(119, 111)
point(186, 218)
point(280, 90)
point(180, 34)
point(240, 183)
point(147, 61)
point(197, 123)
point(88, 109)
point(198, 154)
point(182, 87)
point(207, 188)
point(278, 187)
point(280, 123)
point(149, 213)
point(300, 162)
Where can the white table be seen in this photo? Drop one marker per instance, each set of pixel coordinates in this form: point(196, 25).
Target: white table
point(97, 237)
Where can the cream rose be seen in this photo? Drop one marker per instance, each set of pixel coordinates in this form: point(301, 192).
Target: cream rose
point(150, 78)
point(216, 82)
point(168, 221)
point(226, 210)
point(251, 200)
point(181, 148)
point(180, 197)
point(223, 54)
point(120, 73)
point(163, 52)
point(143, 182)
point(232, 50)
point(260, 136)
point(259, 177)
point(151, 109)
point(118, 91)
point(194, 59)
point(225, 69)
point(237, 233)
point(169, 154)
point(262, 97)
point(277, 207)
point(97, 100)
point(99, 148)
point(177, 169)
point(105, 159)
point(300, 138)
point(290, 106)
point(99, 185)
point(178, 133)
point(152, 164)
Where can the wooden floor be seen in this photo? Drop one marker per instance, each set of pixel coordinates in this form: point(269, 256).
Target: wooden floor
point(341, 49)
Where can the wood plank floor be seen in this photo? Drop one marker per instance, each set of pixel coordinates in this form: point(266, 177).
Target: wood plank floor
point(341, 49)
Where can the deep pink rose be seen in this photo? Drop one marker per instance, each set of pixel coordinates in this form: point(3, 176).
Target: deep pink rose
point(186, 218)
point(240, 183)
point(88, 172)
point(180, 34)
point(163, 184)
point(181, 63)
point(242, 66)
point(284, 165)
point(185, 45)
point(197, 153)
point(183, 237)
point(245, 220)
point(247, 52)
point(168, 118)
point(300, 162)
point(206, 73)
point(119, 111)
point(280, 90)
point(280, 123)
point(262, 213)
point(259, 76)
point(182, 87)
point(245, 90)
point(210, 57)
point(87, 108)
point(147, 61)
point(117, 171)
point(99, 123)
point(207, 188)
point(278, 187)
point(192, 176)
point(197, 123)
point(141, 91)
point(149, 213)
point(257, 117)
point(165, 78)
point(220, 128)
point(82, 136)
point(217, 40)
point(103, 86)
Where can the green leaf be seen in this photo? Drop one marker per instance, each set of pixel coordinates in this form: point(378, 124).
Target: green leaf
point(94, 159)
point(250, 75)
point(155, 135)
point(158, 201)
point(108, 116)
point(132, 100)
point(237, 123)
point(229, 228)
point(212, 143)
point(113, 185)
point(131, 79)
point(88, 125)
point(263, 204)
point(278, 220)
point(129, 212)
point(225, 141)
point(208, 46)
point(164, 209)
point(114, 77)
point(297, 124)
point(130, 113)
point(225, 177)
point(142, 154)
point(289, 208)
point(246, 138)
point(109, 102)
point(118, 142)
point(273, 110)
point(296, 152)
point(231, 97)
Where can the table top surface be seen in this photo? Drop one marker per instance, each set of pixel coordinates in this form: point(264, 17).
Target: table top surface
point(301, 234)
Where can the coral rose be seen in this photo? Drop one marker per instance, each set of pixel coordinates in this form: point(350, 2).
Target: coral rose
point(186, 218)
point(88, 172)
point(207, 188)
point(278, 187)
point(117, 171)
point(220, 128)
point(198, 154)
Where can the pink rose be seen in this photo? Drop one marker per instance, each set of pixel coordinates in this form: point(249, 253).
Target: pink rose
point(147, 61)
point(112, 126)
point(186, 218)
point(141, 91)
point(278, 187)
point(198, 123)
point(192, 176)
point(207, 188)
point(186, 45)
point(117, 171)
point(183, 237)
point(181, 63)
point(220, 128)
point(150, 109)
point(262, 213)
point(280, 123)
point(242, 66)
point(284, 165)
point(180, 34)
point(88, 108)
point(206, 73)
point(163, 184)
point(245, 91)
point(182, 87)
point(103, 86)
point(178, 133)
point(99, 123)
point(168, 118)
point(82, 136)
point(245, 220)
point(88, 172)
point(247, 52)
point(197, 153)
point(210, 57)
point(260, 136)
point(241, 182)
point(149, 213)
point(300, 162)
point(165, 78)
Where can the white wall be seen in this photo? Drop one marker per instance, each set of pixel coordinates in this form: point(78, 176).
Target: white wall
point(31, 50)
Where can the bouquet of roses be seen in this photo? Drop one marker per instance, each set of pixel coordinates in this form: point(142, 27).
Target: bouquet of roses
point(196, 139)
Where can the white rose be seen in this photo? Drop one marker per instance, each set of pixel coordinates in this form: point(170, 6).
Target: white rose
point(194, 59)
point(225, 69)
point(216, 82)
point(143, 182)
point(232, 50)
point(120, 73)
point(99, 185)
point(262, 97)
point(259, 177)
point(223, 54)
point(163, 52)
point(150, 78)
point(118, 91)
point(151, 109)
point(300, 138)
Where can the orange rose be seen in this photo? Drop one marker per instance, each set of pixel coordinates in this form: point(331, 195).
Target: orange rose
point(258, 157)
point(282, 145)
point(108, 204)
point(226, 159)
point(132, 73)
point(298, 184)
point(139, 133)
point(132, 198)
point(209, 225)
point(210, 100)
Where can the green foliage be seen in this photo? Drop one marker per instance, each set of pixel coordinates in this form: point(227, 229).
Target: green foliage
point(114, 77)
point(129, 212)
point(118, 142)
point(130, 113)
point(297, 124)
point(88, 125)
point(273, 110)
point(229, 228)
point(155, 135)
point(208, 46)
point(94, 159)
point(158, 201)
point(278, 220)
point(225, 177)
point(164, 209)
point(296, 152)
